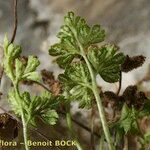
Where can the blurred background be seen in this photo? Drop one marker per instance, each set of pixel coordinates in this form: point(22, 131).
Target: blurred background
point(127, 24)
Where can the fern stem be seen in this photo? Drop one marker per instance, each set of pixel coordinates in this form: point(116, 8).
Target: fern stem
point(96, 95)
point(99, 105)
point(92, 128)
point(101, 145)
point(25, 132)
point(24, 123)
point(70, 126)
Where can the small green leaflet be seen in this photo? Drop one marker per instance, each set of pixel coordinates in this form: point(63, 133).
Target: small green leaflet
point(50, 117)
point(21, 72)
point(65, 51)
point(14, 103)
point(77, 83)
point(128, 120)
point(32, 64)
point(44, 106)
point(10, 53)
point(19, 69)
point(38, 106)
point(106, 61)
point(27, 72)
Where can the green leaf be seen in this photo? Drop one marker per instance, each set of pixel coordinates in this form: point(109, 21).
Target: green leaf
point(43, 106)
point(32, 64)
point(13, 101)
point(78, 27)
point(17, 51)
point(128, 120)
point(15, 104)
point(125, 112)
point(33, 76)
point(19, 68)
point(83, 94)
point(66, 52)
point(126, 124)
point(9, 72)
point(13, 51)
point(77, 83)
point(10, 53)
point(26, 100)
point(6, 44)
point(29, 72)
point(75, 29)
point(106, 61)
point(50, 117)
point(38, 106)
point(10, 50)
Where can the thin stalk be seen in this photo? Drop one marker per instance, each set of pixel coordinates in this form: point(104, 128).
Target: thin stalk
point(100, 106)
point(103, 118)
point(92, 128)
point(24, 123)
point(25, 131)
point(70, 126)
point(120, 83)
point(101, 145)
point(96, 95)
point(15, 21)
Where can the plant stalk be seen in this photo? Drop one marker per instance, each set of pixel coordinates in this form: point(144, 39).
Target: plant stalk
point(25, 131)
point(102, 140)
point(97, 97)
point(92, 128)
point(24, 123)
point(70, 126)
point(100, 106)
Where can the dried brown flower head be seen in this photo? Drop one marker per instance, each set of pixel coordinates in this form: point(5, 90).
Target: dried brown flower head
point(48, 79)
point(109, 97)
point(133, 97)
point(131, 63)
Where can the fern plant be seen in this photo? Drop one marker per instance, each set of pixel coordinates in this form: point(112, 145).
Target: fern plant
point(25, 105)
point(79, 54)
point(81, 58)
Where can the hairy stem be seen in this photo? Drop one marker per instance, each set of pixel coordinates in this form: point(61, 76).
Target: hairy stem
point(24, 123)
point(96, 95)
point(25, 131)
point(70, 126)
